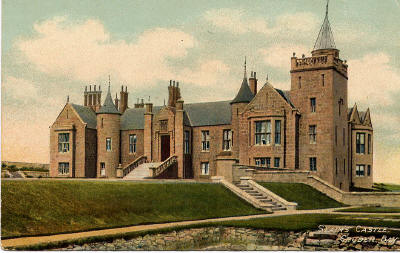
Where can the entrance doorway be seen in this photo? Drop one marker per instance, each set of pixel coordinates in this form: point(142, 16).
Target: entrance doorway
point(165, 147)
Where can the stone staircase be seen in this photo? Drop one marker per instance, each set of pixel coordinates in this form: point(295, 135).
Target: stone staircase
point(143, 171)
point(265, 200)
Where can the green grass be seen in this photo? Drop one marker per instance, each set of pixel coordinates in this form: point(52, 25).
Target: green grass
point(304, 195)
point(300, 222)
point(51, 206)
point(372, 209)
point(303, 222)
point(387, 187)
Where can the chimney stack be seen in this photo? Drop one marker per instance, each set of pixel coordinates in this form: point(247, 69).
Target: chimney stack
point(174, 93)
point(123, 99)
point(253, 82)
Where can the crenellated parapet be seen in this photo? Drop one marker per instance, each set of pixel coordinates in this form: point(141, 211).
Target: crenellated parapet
point(320, 59)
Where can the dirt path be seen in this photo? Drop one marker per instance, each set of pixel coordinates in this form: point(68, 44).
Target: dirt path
point(33, 240)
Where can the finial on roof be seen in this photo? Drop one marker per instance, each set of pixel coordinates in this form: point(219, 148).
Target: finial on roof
point(149, 98)
point(325, 37)
point(68, 99)
point(245, 70)
point(327, 6)
point(267, 77)
point(164, 101)
point(109, 82)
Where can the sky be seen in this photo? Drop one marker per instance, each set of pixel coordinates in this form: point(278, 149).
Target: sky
point(54, 48)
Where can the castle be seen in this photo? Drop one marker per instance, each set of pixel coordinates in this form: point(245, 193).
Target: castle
point(309, 127)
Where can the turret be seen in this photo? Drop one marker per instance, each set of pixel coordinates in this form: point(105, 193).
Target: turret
point(108, 138)
point(243, 97)
point(319, 91)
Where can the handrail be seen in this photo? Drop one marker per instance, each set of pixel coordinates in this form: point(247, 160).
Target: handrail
point(138, 161)
point(164, 165)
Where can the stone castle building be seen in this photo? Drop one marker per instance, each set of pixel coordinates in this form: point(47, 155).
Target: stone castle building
point(309, 127)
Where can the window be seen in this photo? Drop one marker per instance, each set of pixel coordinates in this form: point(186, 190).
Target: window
point(336, 164)
point(313, 164)
point(336, 135)
point(108, 144)
point(313, 104)
point(344, 136)
point(277, 161)
point(205, 140)
point(263, 162)
point(360, 143)
point(369, 144)
point(63, 142)
point(63, 168)
point(277, 132)
point(102, 169)
point(205, 168)
point(323, 79)
point(263, 132)
point(313, 134)
point(369, 170)
point(186, 142)
point(344, 166)
point(299, 82)
point(132, 143)
point(360, 170)
point(227, 142)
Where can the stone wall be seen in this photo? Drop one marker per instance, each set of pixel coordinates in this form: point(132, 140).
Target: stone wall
point(230, 238)
point(388, 199)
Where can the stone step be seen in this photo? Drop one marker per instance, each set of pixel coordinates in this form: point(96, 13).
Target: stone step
point(266, 200)
point(256, 194)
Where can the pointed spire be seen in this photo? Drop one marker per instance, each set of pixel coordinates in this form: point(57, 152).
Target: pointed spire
point(245, 70)
point(108, 106)
point(325, 37)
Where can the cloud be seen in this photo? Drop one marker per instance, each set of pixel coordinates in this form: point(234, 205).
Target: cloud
point(238, 21)
point(85, 51)
point(19, 90)
point(372, 79)
point(207, 73)
point(278, 55)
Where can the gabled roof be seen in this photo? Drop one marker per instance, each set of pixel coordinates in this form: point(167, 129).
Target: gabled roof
point(244, 95)
point(108, 106)
point(286, 95)
point(209, 113)
point(86, 114)
point(325, 37)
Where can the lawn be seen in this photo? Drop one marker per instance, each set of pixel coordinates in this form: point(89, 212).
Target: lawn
point(53, 206)
point(387, 187)
point(312, 221)
point(372, 209)
point(304, 195)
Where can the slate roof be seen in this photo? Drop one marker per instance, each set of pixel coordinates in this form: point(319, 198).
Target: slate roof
point(86, 114)
point(209, 113)
point(286, 95)
point(133, 118)
point(244, 95)
point(325, 37)
point(108, 106)
point(196, 114)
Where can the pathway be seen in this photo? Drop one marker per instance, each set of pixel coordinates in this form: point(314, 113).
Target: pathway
point(33, 240)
